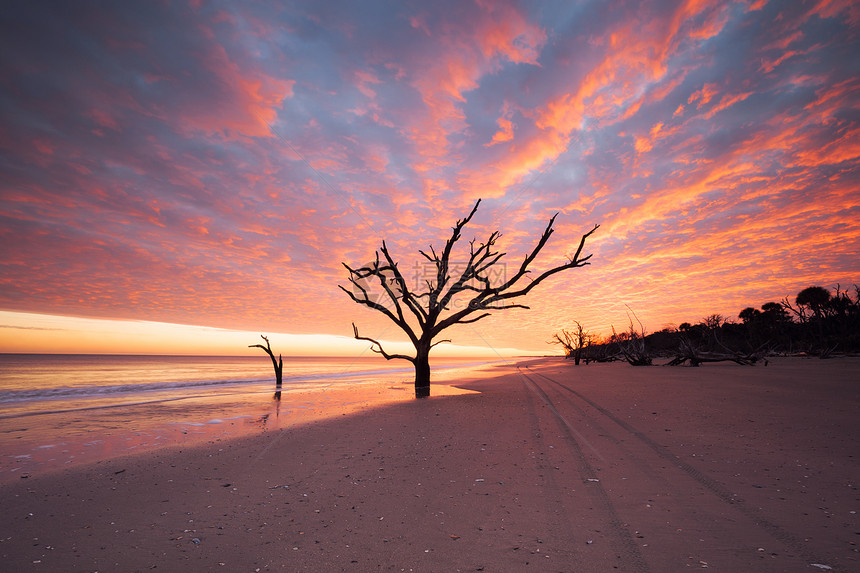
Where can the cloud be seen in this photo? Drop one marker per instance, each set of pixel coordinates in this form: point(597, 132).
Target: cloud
point(212, 164)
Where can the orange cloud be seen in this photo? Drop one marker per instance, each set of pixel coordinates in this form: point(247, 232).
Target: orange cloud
point(726, 102)
point(834, 151)
point(505, 133)
point(645, 144)
point(703, 96)
point(506, 129)
point(499, 33)
point(627, 64)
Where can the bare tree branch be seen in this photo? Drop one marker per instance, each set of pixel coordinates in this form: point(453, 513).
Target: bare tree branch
point(475, 319)
point(485, 299)
point(375, 346)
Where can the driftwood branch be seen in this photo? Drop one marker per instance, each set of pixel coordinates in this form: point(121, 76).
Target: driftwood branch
point(688, 353)
point(632, 343)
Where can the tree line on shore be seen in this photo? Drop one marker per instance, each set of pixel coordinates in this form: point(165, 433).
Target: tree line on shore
point(818, 323)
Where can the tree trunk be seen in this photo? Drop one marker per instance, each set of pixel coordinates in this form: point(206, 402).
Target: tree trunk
point(279, 370)
point(422, 374)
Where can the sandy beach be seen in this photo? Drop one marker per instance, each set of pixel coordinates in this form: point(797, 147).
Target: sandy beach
point(547, 467)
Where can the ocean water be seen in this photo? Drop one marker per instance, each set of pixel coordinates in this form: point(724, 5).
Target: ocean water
point(60, 410)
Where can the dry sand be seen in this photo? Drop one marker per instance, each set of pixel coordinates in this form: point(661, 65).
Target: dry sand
point(550, 467)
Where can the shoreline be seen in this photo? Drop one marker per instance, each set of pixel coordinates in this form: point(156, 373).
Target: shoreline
point(583, 468)
point(96, 429)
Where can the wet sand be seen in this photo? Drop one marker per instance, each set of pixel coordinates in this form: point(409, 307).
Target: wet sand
point(45, 442)
point(548, 467)
point(65, 433)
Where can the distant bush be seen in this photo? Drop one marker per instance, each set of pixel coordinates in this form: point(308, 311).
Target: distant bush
point(817, 323)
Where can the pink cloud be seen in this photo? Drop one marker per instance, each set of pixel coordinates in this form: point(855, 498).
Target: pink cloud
point(143, 185)
point(497, 34)
point(726, 102)
point(630, 60)
point(506, 129)
point(703, 96)
point(103, 119)
point(833, 8)
point(249, 100)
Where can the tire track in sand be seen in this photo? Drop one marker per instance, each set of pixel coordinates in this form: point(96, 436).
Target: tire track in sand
point(620, 539)
point(758, 518)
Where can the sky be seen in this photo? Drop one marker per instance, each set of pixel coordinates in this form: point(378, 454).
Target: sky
point(168, 166)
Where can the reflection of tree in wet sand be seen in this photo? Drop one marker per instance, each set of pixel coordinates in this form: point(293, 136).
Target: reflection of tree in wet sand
point(264, 419)
point(277, 399)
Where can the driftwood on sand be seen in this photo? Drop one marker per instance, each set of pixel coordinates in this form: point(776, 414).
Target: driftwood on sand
point(695, 356)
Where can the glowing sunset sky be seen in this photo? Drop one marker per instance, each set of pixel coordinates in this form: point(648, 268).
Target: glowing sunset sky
point(212, 164)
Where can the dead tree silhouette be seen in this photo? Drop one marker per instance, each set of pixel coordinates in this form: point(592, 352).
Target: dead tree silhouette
point(278, 364)
point(424, 315)
point(575, 342)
